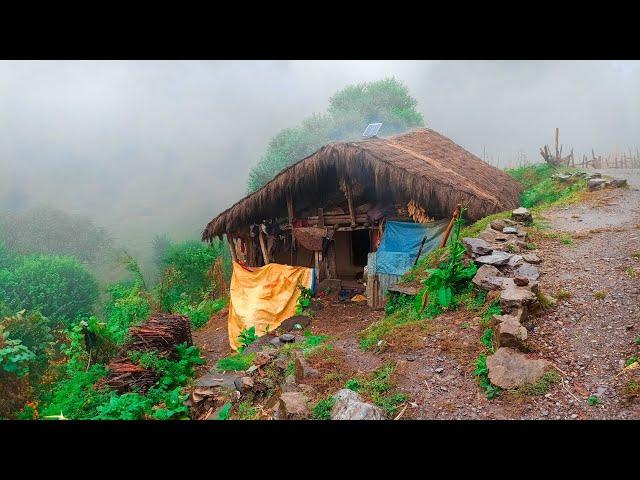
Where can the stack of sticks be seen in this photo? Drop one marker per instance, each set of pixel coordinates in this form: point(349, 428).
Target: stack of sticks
point(161, 333)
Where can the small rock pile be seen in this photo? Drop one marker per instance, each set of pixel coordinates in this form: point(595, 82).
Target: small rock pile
point(515, 276)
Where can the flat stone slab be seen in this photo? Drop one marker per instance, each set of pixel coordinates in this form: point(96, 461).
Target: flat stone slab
point(596, 183)
point(217, 379)
point(496, 258)
point(511, 369)
point(486, 272)
point(527, 270)
point(531, 258)
point(287, 338)
point(477, 245)
point(515, 297)
point(510, 230)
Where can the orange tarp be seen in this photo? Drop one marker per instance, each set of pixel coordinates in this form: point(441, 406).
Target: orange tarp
point(263, 297)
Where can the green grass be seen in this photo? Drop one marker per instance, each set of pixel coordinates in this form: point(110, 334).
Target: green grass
point(567, 240)
point(370, 336)
point(600, 295)
point(379, 388)
point(310, 343)
point(246, 412)
point(562, 294)
point(482, 375)
point(493, 309)
point(224, 413)
point(237, 362)
point(322, 409)
point(487, 340)
point(632, 359)
point(541, 387)
point(593, 400)
point(542, 190)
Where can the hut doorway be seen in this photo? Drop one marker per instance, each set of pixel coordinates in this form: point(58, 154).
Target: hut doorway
point(351, 251)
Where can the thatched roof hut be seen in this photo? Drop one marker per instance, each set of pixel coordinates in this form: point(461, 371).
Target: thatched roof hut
point(422, 165)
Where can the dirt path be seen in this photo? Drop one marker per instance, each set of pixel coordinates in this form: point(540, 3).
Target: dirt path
point(590, 338)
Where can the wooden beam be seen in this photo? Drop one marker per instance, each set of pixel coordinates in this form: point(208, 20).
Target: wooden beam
point(352, 214)
point(263, 247)
point(290, 208)
point(331, 260)
point(316, 256)
point(232, 248)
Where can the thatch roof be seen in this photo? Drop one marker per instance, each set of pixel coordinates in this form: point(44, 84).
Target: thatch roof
point(421, 165)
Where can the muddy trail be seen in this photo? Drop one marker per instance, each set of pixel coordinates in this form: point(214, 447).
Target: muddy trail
point(588, 334)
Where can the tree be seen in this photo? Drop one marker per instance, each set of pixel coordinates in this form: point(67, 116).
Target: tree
point(350, 111)
point(48, 230)
point(59, 287)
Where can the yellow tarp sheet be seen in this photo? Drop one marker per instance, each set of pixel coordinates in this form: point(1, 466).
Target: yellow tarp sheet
point(263, 297)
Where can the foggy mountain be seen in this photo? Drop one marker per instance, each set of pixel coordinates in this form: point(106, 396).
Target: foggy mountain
point(146, 147)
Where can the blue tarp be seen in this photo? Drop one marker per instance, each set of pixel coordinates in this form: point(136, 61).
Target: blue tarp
point(400, 243)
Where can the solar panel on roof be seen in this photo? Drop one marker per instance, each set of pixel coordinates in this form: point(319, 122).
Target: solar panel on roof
point(371, 130)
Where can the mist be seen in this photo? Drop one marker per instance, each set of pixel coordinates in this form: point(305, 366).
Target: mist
point(146, 147)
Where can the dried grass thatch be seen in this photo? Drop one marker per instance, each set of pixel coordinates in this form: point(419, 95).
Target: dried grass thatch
point(421, 165)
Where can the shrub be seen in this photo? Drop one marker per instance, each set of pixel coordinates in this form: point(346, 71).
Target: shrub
point(59, 287)
point(127, 307)
point(34, 333)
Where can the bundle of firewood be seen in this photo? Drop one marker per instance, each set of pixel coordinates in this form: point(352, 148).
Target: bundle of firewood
point(126, 376)
point(161, 333)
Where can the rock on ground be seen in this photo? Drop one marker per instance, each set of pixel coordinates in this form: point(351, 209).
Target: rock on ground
point(511, 333)
point(477, 245)
point(511, 369)
point(496, 258)
point(488, 278)
point(522, 215)
point(293, 406)
point(349, 406)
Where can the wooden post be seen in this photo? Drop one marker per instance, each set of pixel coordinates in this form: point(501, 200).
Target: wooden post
point(290, 218)
point(447, 232)
point(331, 260)
point(557, 139)
point(263, 247)
point(290, 208)
point(350, 203)
point(316, 257)
point(232, 247)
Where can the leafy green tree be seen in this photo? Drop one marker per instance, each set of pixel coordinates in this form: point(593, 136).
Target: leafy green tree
point(47, 230)
point(350, 110)
point(59, 287)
